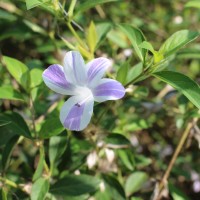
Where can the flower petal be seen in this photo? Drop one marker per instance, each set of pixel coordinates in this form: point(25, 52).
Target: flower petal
point(75, 116)
point(96, 69)
point(55, 79)
point(108, 89)
point(74, 68)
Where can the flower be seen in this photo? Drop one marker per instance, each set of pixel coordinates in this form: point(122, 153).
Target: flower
point(85, 84)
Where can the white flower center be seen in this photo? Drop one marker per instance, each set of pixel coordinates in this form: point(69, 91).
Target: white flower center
point(84, 93)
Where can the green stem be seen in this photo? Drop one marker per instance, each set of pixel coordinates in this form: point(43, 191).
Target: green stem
point(33, 115)
point(75, 34)
point(71, 9)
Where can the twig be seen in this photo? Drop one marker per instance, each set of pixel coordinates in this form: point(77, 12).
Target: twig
point(174, 157)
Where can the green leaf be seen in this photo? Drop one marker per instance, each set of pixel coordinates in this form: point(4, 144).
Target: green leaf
point(183, 84)
point(127, 158)
point(115, 189)
point(147, 45)
point(40, 166)
point(136, 37)
point(123, 72)
point(8, 92)
point(73, 185)
point(193, 4)
point(92, 37)
point(8, 150)
point(39, 189)
point(36, 77)
point(87, 4)
point(34, 27)
point(142, 161)
point(17, 126)
point(51, 127)
point(176, 41)
point(135, 182)
point(134, 72)
point(102, 31)
point(117, 139)
point(33, 3)
point(7, 16)
point(18, 70)
point(57, 146)
point(176, 193)
point(4, 122)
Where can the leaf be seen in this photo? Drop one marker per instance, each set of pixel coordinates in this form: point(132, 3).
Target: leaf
point(127, 158)
point(134, 72)
point(4, 122)
point(36, 77)
point(51, 127)
point(176, 193)
point(176, 41)
point(18, 70)
point(8, 150)
point(8, 92)
point(136, 37)
point(92, 37)
point(35, 28)
point(117, 139)
point(33, 3)
point(102, 31)
point(135, 182)
point(183, 84)
point(39, 170)
point(115, 189)
point(17, 126)
point(73, 185)
point(57, 146)
point(193, 4)
point(147, 45)
point(123, 72)
point(142, 161)
point(39, 189)
point(7, 16)
point(87, 4)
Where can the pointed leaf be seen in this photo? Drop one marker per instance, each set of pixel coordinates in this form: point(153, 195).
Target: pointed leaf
point(73, 185)
point(135, 182)
point(51, 127)
point(176, 41)
point(8, 150)
point(18, 70)
point(17, 126)
point(92, 37)
point(57, 146)
point(40, 189)
point(87, 4)
point(136, 37)
point(8, 92)
point(183, 84)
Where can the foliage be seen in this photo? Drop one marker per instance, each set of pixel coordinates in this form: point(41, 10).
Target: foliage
point(126, 149)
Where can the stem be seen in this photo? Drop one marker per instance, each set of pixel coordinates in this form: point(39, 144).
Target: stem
point(71, 9)
point(75, 34)
point(33, 115)
point(174, 157)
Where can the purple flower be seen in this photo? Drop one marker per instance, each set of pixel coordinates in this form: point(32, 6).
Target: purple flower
point(85, 84)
